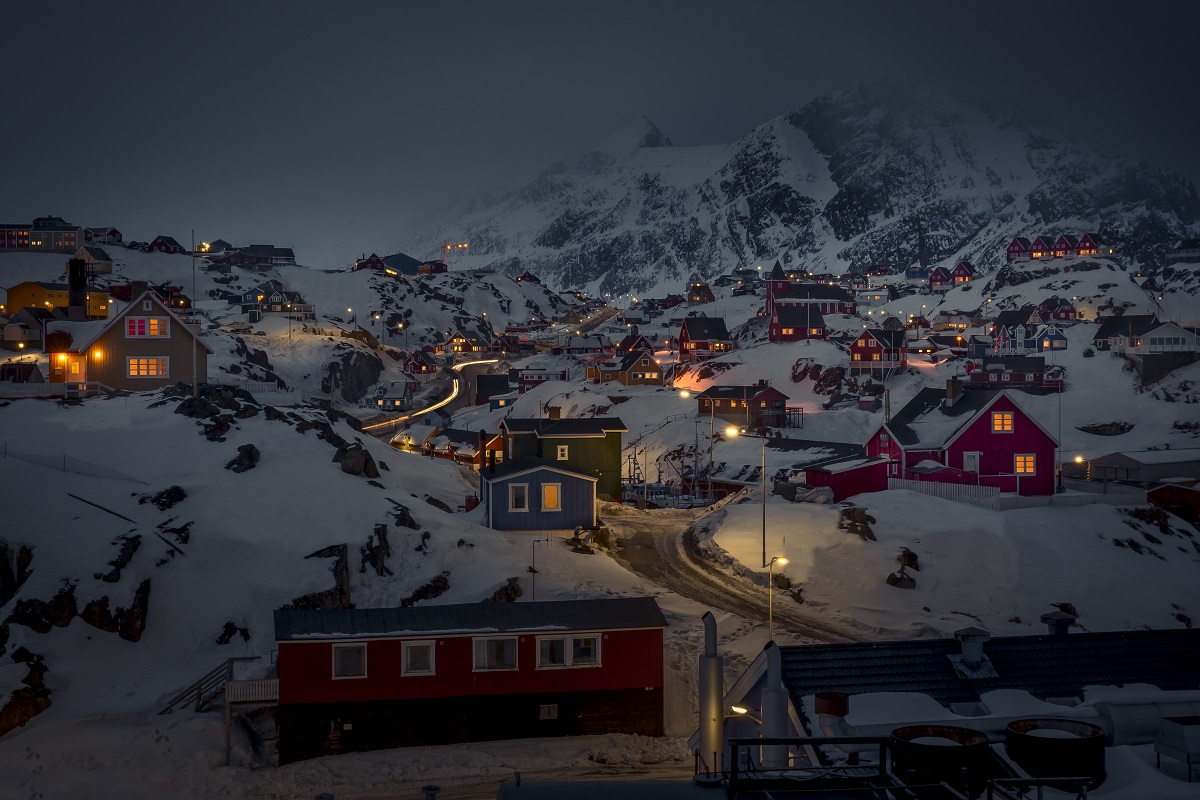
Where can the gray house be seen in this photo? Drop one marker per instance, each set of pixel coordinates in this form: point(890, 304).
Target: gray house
point(532, 494)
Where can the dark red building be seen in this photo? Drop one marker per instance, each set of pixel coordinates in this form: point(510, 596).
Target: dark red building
point(940, 279)
point(828, 297)
point(703, 337)
point(846, 477)
point(366, 679)
point(1042, 246)
point(792, 323)
point(372, 261)
point(1018, 249)
point(978, 438)
point(879, 353)
point(1065, 245)
point(165, 244)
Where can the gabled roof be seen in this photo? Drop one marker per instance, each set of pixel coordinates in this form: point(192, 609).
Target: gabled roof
point(62, 287)
point(527, 465)
point(633, 339)
point(1072, 241)
point(926, 423)
point(462, 436)
point(815, 291)
point(1021, 240)
point(548, 615)
point(629, 360)
point(966, 265)
point(135, 303)
point(1014, 317)
point(554, 428)
point(96, 252)
point(169, 241)
point(800, 315)
point(706, 329)
point(1124, 325)
point(890, 339)
point(1045, 666)
point(736, 392)
point(491, 384)
point(776, 273)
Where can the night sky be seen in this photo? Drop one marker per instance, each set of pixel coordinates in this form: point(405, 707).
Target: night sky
point(332, 127)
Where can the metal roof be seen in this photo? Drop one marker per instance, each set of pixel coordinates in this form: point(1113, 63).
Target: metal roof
point(1124, 324)
point(805, 315)
point(706, 329)
point(1045, 665)
point(548, 428)
point(525, 464)
point(467, 618)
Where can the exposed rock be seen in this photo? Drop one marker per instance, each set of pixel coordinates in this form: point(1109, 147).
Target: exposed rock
point(273, 414)
point(41, 616)
point(352, 374)
point(164, 499)
point(439, 585)
point(1107, 428)
point(339, 595)
point(246, 459)
point(507, 593)
point(324, 431)
point(383, 466)
point(433, 501)
point(128, 623)
point(219, 427)
point(856, 520)
point(97, 614)
point(376, 552)
point(197, 408)
point(424, 545)
point(907, 558)
point(234, 369)
point(230, 630)
point(402, 518)
point(901, 580)
point(25, 704)
point(181, 532)
point(129, 546)
point(246, 412)
point(1067, 608)
point(14, 569)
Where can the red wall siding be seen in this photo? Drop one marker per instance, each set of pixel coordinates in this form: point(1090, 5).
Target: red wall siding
point(996, 464)
point(629, 659)
point(872, 478)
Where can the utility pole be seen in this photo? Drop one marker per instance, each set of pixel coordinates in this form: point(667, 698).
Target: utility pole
point(195, 333)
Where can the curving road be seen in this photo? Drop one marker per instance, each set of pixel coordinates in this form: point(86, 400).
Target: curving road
point(661, 546)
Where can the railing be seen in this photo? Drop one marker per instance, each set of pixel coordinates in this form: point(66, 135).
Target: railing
point(261, 691)
point(270, 391)
point(1018, 788)
point(991, 498)
point(208, 688)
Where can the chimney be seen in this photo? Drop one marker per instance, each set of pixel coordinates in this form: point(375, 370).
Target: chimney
point(137, 289)
point(972, 640)
point(954, 391)
point(554, 412)
point(1058, 622)
point(77, 290)
point(430, 792)
point(712, 716)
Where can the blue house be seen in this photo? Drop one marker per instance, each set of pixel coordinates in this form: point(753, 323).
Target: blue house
point(1049, 337)
point(396, 396)
point(502, 400)
point(979, 346)
point(530, 494)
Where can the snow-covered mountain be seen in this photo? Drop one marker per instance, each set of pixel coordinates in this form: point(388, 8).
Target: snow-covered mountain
point(877, 174)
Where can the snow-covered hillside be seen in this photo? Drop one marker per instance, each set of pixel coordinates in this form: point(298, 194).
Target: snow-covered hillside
point(878, 174)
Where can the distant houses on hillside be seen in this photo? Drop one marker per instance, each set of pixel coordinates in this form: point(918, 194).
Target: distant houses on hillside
point(1050, 246)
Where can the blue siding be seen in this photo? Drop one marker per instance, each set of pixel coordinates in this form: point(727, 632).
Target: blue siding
point(578, 502)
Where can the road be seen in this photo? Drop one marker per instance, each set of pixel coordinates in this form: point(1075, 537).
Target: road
point(459, 396)
point(661, 546)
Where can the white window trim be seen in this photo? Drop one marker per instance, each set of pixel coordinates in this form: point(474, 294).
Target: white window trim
point(563, 450)
point(542, 504)
point(1001, 430)
point(1016, 459)
point(166, 371)
point(166, 323)
point(568, 649)
point(516, 652)
point(511, 488)
point(978, 459)
point(431, 644)
point(333, 662)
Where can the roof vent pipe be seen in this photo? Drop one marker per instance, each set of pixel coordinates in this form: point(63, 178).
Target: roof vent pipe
point(1058, 622)
point(774, 700)
point(712, 715)
point(972, 640)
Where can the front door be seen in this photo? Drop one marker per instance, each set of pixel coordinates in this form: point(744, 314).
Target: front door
point(76, 369)
point(971, 462)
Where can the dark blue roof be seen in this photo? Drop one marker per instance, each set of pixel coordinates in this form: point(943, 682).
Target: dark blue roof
point(567, 615)
point(1045, 666)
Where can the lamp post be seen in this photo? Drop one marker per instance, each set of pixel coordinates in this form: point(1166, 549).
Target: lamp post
point(378, 325)
point(771, 595)
point(533, 566)
point(731, 431)
point(351, 312)
point(405, 327)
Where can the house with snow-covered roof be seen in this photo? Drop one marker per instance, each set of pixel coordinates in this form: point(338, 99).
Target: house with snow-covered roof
point(878, 353)
point(702, 338)
point(793, 323)
point(980, 438)
point(166, 244)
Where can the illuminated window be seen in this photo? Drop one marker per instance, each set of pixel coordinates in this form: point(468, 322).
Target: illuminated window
point(552, 497)
point(148, 367)
point(876, 356)
point(1026, 464)
point(1002, 422)
point(857, 356)
point(145, 327)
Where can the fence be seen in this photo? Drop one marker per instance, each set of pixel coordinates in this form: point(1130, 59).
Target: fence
point(269, 392)
point(66, 463)
point(991, 498)
point(13, 391)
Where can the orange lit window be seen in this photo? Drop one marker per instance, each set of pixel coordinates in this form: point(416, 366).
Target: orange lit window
point(1002, 422)
point(1026, 465)
point(148, 367)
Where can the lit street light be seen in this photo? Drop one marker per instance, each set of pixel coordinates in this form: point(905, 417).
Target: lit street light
point(771, 595)
point(732, 432)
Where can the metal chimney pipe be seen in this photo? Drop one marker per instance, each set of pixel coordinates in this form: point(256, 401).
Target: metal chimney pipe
point(430, 792)
point(712, 716)
point(1058, 622)
point(76, 290)
point(774, 699)
point(972, 640)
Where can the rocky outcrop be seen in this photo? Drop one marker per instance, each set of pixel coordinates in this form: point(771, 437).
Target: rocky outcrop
point(41, 616)
point(15, 561)
point(128, 623)
point(354, 372)
point(437, 586)
point(129, 546)
point(508, 593)
point(25, 704)
point(166, 498)
point(355, 460)
point(376, 552)
point(339, 595)
point(247, 459)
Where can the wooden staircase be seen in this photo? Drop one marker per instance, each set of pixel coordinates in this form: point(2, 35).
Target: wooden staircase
point(203, 693)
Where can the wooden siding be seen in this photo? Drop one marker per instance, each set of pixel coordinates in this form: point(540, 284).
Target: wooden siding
point(595, 456)
point(998, 451)
point(870, 478)
point(309, 731)
point(577, 499)
point(629, 660)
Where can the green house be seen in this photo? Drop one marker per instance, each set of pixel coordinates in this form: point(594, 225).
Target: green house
point(587, 446)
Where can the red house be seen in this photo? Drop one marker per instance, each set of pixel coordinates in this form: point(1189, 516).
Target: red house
point(420, 362)
point(432, 268)
point(1066, 245)
point(879, 353)
point(828, 297)
point(1018, 249)
point(977, 438)
point(940, 280)
point(1057, 308)
point(792, 323)
point(634, 342)
point(529, 377)
point(1090, 245)
point(366, 679)
point(166, 244)
point(1042, 246)
point(701, 338)
point(372, 261)
point(102, 236)
point(758, 405)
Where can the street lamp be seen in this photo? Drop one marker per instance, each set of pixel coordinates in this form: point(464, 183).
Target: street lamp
point(533, 567)
point(350, 311)
point(771, 595)
point(1082, 460)
point(732, 432)
point(405, 327)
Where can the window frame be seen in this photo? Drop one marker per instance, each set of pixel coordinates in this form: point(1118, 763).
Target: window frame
point(568, 640)
point(1003, 422)
point(563, 452)
point(477, 640)
point(161, 323)
point(1031, 466)
point(558, 497)
point(404, 648)
point(333, 661)
point(165, 372)
point(512, 487)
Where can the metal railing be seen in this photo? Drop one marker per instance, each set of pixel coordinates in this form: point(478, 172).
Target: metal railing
point(208, 688)
point(260, 691)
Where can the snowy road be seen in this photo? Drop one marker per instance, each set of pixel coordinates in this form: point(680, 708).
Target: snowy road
point(660, 546)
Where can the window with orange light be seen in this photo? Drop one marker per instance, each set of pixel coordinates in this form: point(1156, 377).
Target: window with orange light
point(1002, 422)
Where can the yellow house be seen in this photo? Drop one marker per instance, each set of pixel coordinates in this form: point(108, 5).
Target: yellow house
point(35, 294)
